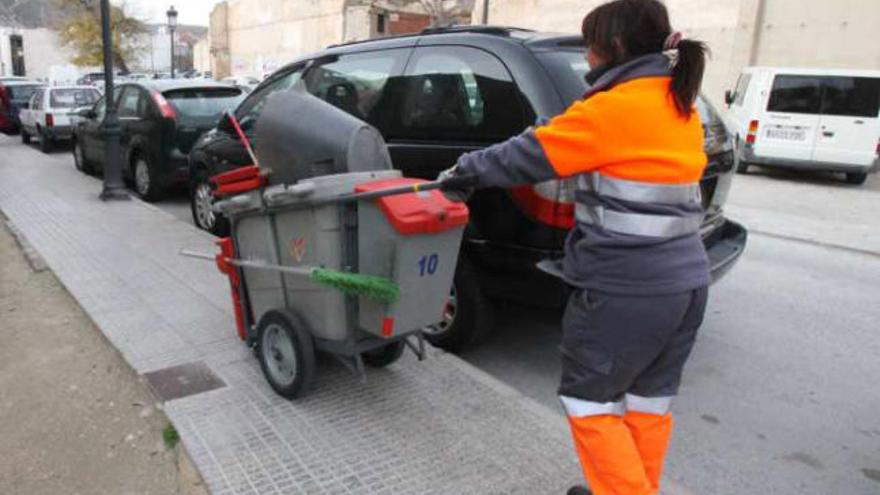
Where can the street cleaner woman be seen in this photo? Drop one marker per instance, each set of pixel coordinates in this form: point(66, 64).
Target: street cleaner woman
point(635, 259)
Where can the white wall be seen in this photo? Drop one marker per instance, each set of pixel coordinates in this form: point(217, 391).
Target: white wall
point(43, 54)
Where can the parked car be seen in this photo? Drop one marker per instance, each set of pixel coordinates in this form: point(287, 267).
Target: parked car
point(51, 113)
point(90, 78)
point(444, 92)
point(246, 83)
point(808, 119)
point(160, 121)
point(14, 95)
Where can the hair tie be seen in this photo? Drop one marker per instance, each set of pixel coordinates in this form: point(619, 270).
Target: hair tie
point(672, 40)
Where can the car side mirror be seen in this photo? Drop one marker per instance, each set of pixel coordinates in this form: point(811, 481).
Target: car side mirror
point(87, 113)
point(225, 123)
point(728, 97)
point(26, 105)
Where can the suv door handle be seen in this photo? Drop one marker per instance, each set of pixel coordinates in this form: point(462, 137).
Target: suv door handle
point(859, 122)
point(827, 133)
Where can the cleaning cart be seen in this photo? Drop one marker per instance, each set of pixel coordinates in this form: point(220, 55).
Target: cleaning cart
point(351, 264)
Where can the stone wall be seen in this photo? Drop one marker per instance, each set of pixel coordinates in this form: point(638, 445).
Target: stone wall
point(811, 33)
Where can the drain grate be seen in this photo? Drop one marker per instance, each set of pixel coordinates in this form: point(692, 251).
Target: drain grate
point(182, 381)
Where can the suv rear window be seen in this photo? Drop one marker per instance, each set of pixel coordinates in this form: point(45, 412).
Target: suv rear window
point(460, 93)
point(203, 103)
point(73, 98)
point(567, 68)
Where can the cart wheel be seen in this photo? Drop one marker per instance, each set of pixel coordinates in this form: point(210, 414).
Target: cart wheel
point(383, 356)
point(286, 352)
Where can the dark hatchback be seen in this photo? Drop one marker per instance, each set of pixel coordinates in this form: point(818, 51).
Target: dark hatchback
point(14, 95)
point(160, 121)
point(441, 93)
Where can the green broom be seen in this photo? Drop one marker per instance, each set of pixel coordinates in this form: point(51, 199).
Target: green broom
point(379, 289)
point(376, 288)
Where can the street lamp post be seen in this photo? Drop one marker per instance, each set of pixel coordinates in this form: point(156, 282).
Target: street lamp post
point(172, 23)
point(114, 188)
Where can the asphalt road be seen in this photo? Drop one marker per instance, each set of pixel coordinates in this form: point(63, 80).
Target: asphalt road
point(781, 393)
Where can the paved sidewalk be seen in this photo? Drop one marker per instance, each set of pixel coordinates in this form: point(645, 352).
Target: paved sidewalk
point(439, 426)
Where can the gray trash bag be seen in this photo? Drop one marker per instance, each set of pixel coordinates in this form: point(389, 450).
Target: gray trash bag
point(299, 136)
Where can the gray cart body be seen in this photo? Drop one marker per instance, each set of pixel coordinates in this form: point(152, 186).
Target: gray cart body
point(304, 226)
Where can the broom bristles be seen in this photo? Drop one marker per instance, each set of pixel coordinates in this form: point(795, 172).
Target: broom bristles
point(377, 288)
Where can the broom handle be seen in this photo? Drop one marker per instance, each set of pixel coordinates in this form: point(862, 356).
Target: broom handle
point(257, 265)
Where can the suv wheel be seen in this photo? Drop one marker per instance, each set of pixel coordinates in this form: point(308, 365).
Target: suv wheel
point(468, 317)
point(857, 178)
point(25, 137)
point(201, 202)
point(146, 180)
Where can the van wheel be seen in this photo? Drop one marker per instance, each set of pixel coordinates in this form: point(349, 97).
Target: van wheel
point(146, 179)
point(468, 317)
point(856, 178)
point(742, 167)
point(25, 137)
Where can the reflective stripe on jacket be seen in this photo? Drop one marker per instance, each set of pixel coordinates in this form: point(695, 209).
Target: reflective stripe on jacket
point(638, 164)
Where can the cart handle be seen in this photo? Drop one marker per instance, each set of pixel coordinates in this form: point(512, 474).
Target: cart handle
point(451, 184)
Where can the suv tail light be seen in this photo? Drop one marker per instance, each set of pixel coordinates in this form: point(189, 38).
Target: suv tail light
point(753, 132)
point(165, 108)
point(550, 203)
point(4, 97)
point(877, 149)
point(50, 120)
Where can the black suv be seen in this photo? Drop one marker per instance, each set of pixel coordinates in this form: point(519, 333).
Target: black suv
point(440, 93)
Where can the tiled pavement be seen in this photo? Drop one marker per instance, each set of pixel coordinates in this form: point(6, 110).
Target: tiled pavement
point(438, 426)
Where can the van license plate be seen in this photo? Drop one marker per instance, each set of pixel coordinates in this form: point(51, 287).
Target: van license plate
point(787, 134)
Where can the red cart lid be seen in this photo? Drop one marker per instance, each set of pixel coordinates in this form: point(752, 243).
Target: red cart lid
point(424, 212)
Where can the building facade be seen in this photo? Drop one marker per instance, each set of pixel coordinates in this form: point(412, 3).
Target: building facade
point(808, 33)
point(256, 37)
point(35, 53)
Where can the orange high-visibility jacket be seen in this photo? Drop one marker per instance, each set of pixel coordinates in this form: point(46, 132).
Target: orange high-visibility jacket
point(638, 163)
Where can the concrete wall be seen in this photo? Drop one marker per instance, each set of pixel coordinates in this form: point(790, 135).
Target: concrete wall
point(202, 55)
point(263, 35)
point(813, 33)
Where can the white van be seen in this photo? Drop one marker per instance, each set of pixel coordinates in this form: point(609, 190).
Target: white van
point(810, 119)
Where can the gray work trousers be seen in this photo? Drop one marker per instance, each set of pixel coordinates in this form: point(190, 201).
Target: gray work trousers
point(614, 345)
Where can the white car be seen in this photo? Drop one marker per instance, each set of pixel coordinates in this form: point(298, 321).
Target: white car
point(51, 113)
point(809, 119)
point(246, 83)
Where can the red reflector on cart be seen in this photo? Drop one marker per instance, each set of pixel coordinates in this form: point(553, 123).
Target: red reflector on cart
point(424, 212)
point(388, 326)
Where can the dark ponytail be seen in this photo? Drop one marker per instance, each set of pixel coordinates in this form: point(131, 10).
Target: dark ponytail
point(687, 74)
point(624, 29)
